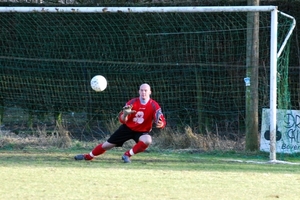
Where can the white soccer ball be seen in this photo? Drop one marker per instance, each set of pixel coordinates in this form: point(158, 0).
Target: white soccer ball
point(98, 83)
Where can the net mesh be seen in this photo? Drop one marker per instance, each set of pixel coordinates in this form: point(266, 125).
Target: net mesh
point(194, 62)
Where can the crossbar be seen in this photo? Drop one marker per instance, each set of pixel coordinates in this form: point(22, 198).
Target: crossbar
point(140, 9)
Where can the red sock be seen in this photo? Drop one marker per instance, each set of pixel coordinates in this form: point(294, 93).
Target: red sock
point(98, 150)
point(137, 148)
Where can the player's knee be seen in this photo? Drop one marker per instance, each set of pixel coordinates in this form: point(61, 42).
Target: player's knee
point(148, 142)
point(147, 139)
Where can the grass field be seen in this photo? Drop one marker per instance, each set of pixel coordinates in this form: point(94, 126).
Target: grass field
point(53, 174)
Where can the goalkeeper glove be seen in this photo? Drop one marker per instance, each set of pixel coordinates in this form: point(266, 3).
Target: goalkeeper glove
point(127, 110)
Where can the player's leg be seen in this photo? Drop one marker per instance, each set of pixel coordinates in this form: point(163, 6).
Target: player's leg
point(116, 139)
point(98, 150)
point(141, 145)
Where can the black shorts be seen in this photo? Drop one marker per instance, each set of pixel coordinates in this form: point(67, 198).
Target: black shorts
point(123, 134)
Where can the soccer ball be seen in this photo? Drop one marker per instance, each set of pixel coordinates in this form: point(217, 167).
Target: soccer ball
point(98, 83)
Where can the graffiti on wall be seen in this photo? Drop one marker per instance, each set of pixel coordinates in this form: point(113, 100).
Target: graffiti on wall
point(287, 131)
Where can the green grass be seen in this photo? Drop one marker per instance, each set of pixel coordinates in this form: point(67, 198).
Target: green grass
point(53, 174)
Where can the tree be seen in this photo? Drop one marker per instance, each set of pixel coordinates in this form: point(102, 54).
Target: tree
point(252, 72)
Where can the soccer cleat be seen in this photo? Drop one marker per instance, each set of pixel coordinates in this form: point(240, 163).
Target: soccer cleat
point(79, 157)
point(126, 159)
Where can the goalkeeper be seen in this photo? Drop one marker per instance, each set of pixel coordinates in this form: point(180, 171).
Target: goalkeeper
point(137, 118)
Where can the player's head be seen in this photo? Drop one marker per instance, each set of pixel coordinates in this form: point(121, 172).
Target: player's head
point(145, 91)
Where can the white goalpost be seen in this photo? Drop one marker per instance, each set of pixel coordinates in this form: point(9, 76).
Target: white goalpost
point(274, 54)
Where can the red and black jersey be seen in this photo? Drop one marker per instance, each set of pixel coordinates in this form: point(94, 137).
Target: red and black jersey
point(145, 115)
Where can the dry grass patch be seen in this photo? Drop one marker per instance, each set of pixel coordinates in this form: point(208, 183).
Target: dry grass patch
point(167, 138)
point(189, 140)
point(41, 138)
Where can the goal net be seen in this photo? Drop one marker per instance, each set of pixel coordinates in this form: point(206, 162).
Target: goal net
point(193, 57)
